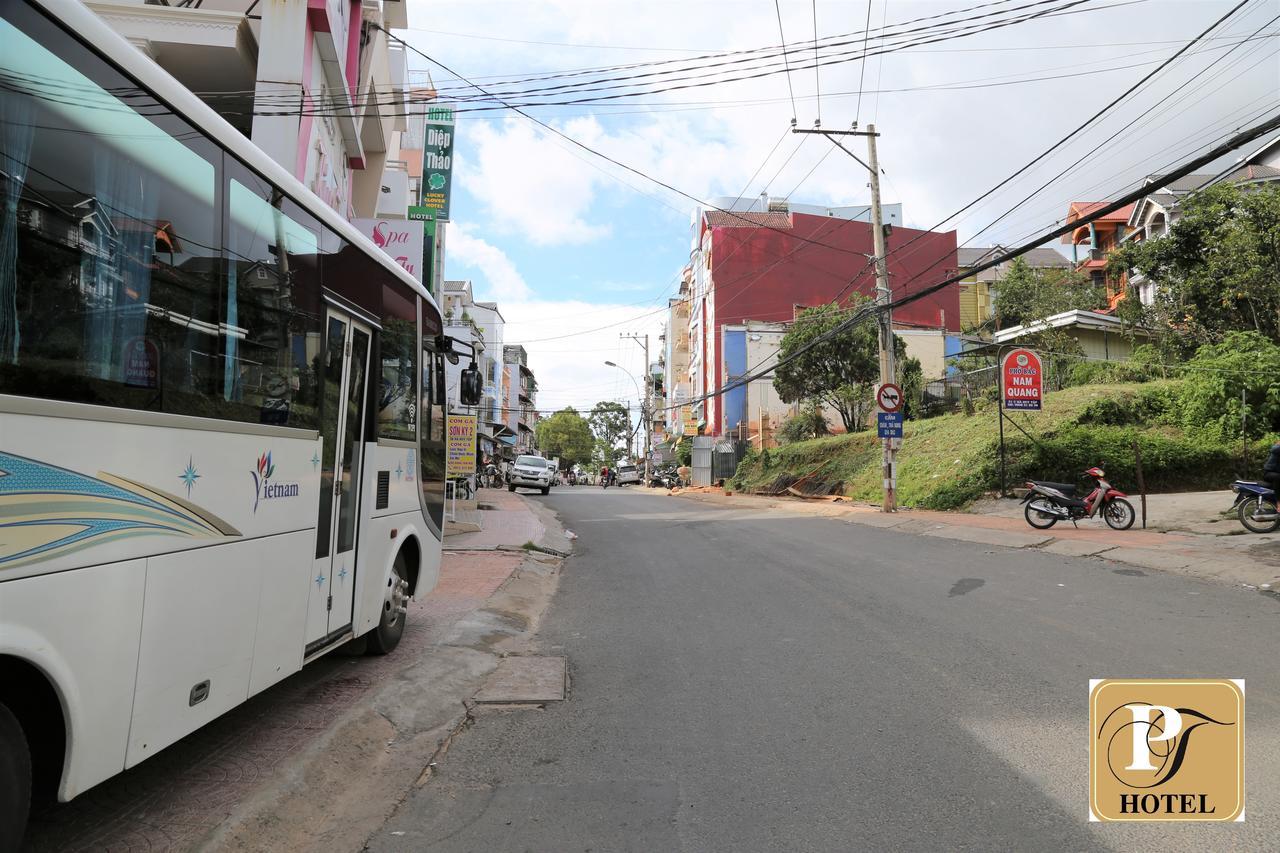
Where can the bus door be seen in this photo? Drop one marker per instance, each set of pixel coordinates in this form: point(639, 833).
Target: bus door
point(344, 369)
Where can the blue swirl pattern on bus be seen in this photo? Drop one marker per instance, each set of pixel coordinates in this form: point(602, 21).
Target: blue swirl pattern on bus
point(48, 511)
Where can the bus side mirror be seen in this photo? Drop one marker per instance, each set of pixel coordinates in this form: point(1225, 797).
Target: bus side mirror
point(470, 386)
point(438, 397)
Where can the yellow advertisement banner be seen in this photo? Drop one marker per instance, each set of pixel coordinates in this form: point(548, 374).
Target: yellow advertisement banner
point(460, 449)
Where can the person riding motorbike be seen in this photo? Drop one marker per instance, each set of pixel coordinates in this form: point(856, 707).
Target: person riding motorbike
point(604, 476)
point(1271, 470)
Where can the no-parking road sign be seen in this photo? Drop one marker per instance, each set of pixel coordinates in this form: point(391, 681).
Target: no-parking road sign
point(889, 397)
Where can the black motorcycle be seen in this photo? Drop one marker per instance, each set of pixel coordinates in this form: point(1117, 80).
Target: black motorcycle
point(663, 479)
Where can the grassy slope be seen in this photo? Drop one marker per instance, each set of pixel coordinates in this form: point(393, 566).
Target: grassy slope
point(948, 461)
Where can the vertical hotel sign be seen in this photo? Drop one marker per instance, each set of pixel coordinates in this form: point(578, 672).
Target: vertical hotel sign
point(427, 217)
point(437, 162)
point(1021, 380)
point(460, 447)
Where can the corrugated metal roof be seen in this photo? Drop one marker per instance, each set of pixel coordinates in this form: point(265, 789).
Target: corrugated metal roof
point(1081, 209)
point(722, 219)
point(1038, 258)
point(1254, 173)
point(1185, 184)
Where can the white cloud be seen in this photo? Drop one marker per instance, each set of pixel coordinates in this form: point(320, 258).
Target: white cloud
point(572, 370)
point(503, 279)
point(530, 185)
point(940, 148)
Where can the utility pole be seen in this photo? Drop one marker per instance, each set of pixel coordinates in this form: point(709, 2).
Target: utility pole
point(644, 402)
point(884, 294)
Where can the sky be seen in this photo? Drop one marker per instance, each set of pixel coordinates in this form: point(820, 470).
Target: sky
point(578, 251)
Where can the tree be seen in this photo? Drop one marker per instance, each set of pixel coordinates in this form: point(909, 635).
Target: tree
point(806, 424)
point(1025, 295)
point(1217, 270)
point(567, 435)
point(841, 372)
point(611, 425)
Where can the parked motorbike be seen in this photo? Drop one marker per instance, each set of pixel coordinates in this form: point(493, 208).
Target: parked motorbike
point(1256, 506)
point(663, 479)
point(1048, 503)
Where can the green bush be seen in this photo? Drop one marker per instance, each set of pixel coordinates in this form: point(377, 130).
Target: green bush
point(1150, 404)
point(1169, 462)
point(806, 424)
point(1245, 364)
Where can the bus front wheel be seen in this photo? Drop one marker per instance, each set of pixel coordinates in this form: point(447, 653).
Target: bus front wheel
point(395, 605)
point(15, 781)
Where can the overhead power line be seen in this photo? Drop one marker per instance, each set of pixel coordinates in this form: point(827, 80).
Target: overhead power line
point(744, 219)
point(1236, 142)
point(587, 91)
point(1080, 128)
point(769, 51)
point(777, 8)
point(862, 71)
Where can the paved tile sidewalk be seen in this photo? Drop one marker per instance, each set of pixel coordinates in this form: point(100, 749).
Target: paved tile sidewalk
point(510, 522)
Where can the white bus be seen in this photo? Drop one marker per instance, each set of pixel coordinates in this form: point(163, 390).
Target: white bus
point(221, 415)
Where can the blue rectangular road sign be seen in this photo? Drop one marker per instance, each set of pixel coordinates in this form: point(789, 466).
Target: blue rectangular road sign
point(889, 424)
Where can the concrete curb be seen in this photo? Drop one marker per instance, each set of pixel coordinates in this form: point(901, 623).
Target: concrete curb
point(1181, 554)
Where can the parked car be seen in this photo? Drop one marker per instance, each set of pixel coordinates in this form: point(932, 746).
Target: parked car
point(531, 472)
point(628, 475)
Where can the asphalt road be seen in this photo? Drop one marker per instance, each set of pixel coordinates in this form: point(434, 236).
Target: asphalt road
point(749, 680)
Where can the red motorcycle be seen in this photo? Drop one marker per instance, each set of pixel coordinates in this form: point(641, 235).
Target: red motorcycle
point(1048, 503)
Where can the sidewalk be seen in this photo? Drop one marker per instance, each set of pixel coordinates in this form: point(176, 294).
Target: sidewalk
point(509, 523)
point(1249, 560)
point(317, 761)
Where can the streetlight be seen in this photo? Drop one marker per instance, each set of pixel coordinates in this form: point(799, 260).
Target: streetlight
point(642, 403)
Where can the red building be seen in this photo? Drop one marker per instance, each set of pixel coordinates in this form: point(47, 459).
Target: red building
point(769, 266)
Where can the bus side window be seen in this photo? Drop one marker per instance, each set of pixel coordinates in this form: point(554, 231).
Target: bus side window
point(431, 446)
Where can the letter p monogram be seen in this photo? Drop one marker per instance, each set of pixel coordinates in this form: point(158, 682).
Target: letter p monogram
point(1142, 732)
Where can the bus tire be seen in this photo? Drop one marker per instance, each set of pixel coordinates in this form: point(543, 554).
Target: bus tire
point(15, 781)
point(390, 628)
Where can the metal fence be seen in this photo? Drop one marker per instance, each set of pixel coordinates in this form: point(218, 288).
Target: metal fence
point(703, 450)
point(725, 458)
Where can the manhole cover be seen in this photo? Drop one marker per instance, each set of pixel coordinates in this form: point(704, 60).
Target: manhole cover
point(526, 680)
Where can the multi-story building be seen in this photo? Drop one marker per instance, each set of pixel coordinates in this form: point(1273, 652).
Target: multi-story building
point(317, 86)
point(1100, 238)
point(1154, 214)
point(679, 419)
point(478, 325)
point(978, 290)
point(521, 397)
point(767, 266)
